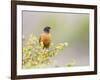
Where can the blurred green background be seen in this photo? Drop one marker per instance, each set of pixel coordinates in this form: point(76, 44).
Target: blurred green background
point(65, 27)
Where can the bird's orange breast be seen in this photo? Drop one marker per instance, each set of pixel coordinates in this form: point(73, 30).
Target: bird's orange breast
point(46, 39)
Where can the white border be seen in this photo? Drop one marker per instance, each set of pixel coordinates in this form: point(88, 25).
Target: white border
point(21, 71)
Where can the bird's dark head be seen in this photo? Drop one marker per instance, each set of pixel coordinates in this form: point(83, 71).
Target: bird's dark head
point(47, 29)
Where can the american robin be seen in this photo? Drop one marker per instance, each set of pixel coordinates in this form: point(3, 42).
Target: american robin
point(45, 37)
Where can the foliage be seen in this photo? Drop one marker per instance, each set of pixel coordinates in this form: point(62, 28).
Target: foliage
point(35, 56)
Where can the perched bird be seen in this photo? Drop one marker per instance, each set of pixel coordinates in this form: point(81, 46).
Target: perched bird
point(45, 37)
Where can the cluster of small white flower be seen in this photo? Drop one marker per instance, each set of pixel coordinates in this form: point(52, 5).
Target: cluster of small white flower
point(34, 55)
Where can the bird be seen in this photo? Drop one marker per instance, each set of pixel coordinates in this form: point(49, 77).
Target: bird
point(45, 37)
